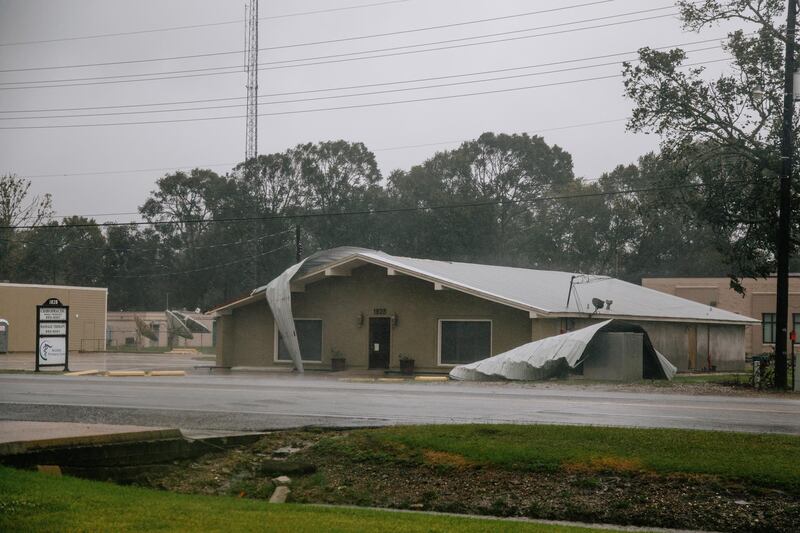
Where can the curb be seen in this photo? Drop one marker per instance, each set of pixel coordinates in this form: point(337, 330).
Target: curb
point(18, 447)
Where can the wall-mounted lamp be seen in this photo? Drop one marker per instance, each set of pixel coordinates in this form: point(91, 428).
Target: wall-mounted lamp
point(394, 320)
point(360, 319)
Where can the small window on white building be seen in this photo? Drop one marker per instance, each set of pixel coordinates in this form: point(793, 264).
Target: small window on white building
point(309, 336)
point(464, 341)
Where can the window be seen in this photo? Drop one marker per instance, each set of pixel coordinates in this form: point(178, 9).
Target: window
point(464, 341)
point(768, 328)
point(309, 336)
point(796, 325)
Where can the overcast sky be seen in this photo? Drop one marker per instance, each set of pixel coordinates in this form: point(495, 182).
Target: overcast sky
point(391, 131)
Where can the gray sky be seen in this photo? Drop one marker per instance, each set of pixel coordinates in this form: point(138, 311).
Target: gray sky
point(388, 130)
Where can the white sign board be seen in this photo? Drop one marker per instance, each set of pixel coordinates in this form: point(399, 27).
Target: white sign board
point(52, 350)
point(47, 314)
point(52, 328)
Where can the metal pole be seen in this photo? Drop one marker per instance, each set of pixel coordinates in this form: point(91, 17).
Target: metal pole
point(784, 221)
point(251, 67)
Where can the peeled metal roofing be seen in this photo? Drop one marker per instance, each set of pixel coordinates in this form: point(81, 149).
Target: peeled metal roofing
point(543, 359)
point(543, 291)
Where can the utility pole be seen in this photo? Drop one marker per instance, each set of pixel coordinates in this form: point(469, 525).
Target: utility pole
point(784, 221)
point(251, 67)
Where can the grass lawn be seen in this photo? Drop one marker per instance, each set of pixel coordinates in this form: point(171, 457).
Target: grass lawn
point(766, 460)
point(35, 502)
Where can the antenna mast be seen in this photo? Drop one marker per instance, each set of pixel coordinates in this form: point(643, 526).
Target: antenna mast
point(251, 68)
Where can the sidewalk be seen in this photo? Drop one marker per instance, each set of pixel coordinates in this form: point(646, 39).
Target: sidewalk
point(22, 436)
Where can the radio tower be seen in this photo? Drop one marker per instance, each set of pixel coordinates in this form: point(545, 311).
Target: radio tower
point(251, 67)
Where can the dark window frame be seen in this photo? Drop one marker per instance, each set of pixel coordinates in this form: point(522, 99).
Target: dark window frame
point(279, 342)
point(441, 337)
point(768, 319)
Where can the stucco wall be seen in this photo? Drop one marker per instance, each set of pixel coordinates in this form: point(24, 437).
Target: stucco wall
point(339, 301)
point(246, 336)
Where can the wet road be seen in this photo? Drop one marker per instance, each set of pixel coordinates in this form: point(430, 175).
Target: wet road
point(259, 402)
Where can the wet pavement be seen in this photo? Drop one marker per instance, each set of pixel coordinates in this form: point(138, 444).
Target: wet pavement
point(270, 401)
point(112, 361)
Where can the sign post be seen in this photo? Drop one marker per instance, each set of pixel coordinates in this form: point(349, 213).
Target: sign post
point(52, 334)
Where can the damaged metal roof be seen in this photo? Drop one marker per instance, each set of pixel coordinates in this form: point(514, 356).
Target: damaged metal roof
point(543, 292)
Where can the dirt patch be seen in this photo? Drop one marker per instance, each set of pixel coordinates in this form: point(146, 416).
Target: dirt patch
point(605, 464)
point(354, 469)
point(446, 459)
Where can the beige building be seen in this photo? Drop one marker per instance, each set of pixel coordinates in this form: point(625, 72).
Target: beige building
point(758, 302)
point(372, 309)
point(122, 330)
point(87, 314)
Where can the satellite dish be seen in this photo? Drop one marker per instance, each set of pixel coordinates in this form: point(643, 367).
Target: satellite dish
point(598, 304)
point(176, 325)
point(144, 329)
point(193, 325)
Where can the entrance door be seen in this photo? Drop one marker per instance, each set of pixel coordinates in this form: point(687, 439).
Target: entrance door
point(379, 337)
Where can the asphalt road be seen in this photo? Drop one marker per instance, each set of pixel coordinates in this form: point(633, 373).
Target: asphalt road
point(247, 402)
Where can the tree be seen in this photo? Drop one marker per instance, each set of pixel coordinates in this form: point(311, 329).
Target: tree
point(17, 208)
point(723, 133)
point(507, 174)
point(338, 176)
point(181, 208)
point(70, 253)
point(650, 233)
point(132, 269)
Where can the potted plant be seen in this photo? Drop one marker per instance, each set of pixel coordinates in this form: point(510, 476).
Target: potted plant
point(406, 365)
point(337, 361)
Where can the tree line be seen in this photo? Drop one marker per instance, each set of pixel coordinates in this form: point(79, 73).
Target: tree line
point(500, 199)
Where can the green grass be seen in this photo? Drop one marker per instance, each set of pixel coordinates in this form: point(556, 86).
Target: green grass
point(34, 502)
point(765, 460)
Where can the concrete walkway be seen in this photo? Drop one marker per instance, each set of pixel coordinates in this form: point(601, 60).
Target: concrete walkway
point(22, 436)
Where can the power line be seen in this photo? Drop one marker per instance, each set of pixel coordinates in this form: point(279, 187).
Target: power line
point(127, 249)
point(332, 58)
point(382, 211)
point(351, 95)
point(206, 25)
point(131, 171)
point(360, 86)
point(440, 143)
point(213, 165)
point(337, 108)
point(202, 269)
point(329, 41)
point(498, 34)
